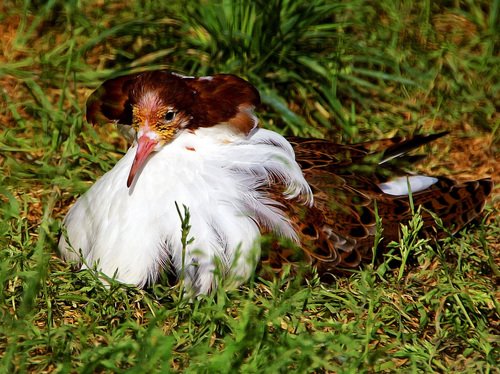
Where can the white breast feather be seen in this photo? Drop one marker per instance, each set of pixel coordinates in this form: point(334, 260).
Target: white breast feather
point(135, 232)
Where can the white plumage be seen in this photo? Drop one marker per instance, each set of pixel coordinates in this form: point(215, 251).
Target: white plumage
point(399, 186)
point(220, 175)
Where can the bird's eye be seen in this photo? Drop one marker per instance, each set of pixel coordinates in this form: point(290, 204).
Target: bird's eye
point(170, 115)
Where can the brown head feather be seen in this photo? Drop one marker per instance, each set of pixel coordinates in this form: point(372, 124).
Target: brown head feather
point(208, 101)
point(225, 98)
point(111, 102)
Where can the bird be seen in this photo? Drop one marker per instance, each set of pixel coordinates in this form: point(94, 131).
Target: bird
point(202, 182)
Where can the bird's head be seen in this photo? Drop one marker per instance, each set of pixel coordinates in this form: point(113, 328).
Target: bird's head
point(157, 106)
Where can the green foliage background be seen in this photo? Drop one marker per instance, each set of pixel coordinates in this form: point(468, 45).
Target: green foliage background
point(346, 70)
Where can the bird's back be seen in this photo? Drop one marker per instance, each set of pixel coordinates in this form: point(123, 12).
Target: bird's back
point(352, 184)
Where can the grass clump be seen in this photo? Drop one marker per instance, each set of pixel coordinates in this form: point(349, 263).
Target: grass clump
point(349, 71)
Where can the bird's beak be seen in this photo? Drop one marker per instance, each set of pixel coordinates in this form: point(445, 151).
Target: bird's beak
point(146, 145)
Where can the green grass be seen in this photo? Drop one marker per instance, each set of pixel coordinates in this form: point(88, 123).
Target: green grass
point(350, 71)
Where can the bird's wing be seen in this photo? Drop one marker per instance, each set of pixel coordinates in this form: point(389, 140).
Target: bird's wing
point(339, 230)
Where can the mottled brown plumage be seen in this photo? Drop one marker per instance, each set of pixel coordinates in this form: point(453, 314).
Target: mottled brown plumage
point(338, 232)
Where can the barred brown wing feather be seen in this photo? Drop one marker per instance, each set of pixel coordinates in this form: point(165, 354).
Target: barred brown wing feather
point(338, 232)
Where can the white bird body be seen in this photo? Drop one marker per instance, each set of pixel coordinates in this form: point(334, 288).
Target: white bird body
point(219, 175)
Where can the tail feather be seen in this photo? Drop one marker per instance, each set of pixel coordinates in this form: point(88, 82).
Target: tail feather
point(458, 204)
point(402, 148)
